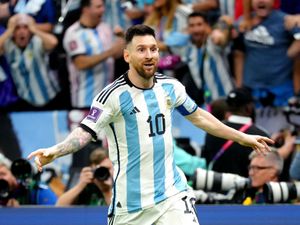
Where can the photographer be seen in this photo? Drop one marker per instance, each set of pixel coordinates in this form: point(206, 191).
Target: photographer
point(18, 186)
point(95, 183)
point(262, 169)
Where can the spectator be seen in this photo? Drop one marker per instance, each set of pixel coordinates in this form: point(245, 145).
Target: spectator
point(8, 94)
point(21, 193)
point(285, 143)
point(262, 169)
point(91, 190)
point(90, 49)
point(207, 58)
point(287, 6)
point(42, 11)
point(219, 109)
point(295, 167)
point(264, 43)
point(26, 48)
point(169, 22)
point(234, 159)
point(211, 8)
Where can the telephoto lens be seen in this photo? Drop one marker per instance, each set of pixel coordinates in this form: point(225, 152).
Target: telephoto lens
point(21, 169)
point(208, 180)
point(281, 192)
point(101, 173)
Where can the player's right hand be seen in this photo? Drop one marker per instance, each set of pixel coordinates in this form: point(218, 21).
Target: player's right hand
point(42, 156)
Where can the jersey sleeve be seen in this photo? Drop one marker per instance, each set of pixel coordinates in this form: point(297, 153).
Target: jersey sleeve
point(73, 44)
point(184, 104)
point(100, 115)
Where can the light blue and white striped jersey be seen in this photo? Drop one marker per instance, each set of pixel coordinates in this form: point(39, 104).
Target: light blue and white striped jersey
point(216, 73)
point(137, 123)
point(115, 15)
point(80, 40)
point(29, 68)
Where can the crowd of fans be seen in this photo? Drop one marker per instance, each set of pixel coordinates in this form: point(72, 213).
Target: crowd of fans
point(239, 59)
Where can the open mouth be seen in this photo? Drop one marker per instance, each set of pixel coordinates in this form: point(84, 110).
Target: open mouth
point(148, 65)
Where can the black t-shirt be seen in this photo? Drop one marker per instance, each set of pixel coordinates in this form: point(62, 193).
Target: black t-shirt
point(236, 158)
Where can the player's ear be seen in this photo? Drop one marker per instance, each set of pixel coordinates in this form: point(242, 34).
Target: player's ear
point(126, 55)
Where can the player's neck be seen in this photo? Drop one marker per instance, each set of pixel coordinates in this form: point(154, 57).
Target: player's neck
point(139, 81)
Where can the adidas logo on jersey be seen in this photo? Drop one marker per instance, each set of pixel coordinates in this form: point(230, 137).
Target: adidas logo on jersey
point(135, 110)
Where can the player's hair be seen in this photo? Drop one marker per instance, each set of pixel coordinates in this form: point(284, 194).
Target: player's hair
point(138, 30)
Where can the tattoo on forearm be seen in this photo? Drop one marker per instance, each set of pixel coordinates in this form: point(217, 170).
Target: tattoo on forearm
point(75, 141)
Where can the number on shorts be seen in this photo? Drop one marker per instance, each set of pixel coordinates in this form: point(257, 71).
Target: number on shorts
point(189, 205)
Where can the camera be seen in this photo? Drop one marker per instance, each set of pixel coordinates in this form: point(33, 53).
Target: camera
point(208, 180)
point(21, 169)
point(26, 179)
point(281, 192)
point(101, 173)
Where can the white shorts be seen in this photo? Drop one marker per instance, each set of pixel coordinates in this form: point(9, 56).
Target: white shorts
point(176, 210)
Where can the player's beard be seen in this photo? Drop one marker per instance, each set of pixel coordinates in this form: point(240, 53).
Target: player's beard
point(146, 74)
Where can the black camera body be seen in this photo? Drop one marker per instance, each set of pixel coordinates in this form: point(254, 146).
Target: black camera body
point(101, 173)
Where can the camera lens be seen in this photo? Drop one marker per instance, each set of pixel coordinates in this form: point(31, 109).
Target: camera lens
point(214, 181)
point(21, 169)
point(281, 192)
point(101, 173)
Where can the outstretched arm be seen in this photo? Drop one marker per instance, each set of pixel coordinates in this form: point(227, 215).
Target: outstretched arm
point(76, 140)
point(210, 124)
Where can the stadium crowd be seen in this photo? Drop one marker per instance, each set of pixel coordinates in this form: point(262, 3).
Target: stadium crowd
point(238, 59)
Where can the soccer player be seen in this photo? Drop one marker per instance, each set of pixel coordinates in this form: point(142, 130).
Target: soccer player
point(135, 112)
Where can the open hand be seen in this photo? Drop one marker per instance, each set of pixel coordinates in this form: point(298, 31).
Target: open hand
point(42, 156)
point(258, 143)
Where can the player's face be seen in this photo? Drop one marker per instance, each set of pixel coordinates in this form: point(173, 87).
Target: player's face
point(5, 174)
point(197, 29)
point(22, 35)
point(262, 7)
point(142, 55)
point(261, 171)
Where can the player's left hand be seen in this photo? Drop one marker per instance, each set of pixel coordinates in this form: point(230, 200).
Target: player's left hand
point(258, 143)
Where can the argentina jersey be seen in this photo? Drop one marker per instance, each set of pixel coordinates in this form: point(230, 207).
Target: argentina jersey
point(210, 69)
point(87, 83)
point(34, 82)
point(137, 123)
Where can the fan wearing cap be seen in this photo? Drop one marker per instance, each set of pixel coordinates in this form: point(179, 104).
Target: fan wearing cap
point(26, 48)
point(241, 113)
